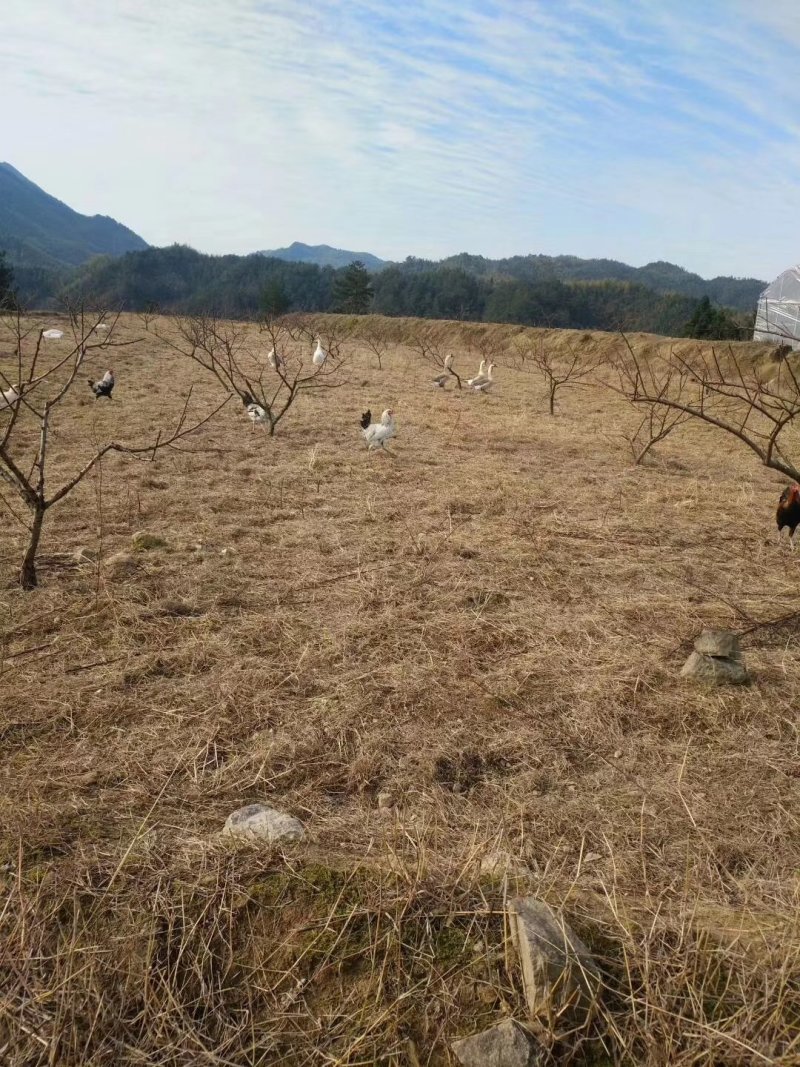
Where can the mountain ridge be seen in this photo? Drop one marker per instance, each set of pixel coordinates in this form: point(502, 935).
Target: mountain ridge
point(323, 255)
point(39, 231)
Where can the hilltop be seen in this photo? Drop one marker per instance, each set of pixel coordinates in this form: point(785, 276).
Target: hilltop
point(323, 256)
point(37, 230)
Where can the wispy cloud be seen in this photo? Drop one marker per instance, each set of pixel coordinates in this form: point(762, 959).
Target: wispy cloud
point(496, 126)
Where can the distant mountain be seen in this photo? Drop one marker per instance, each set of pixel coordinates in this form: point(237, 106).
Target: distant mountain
point(323, 256)
point(38, 231)
point(661, 277)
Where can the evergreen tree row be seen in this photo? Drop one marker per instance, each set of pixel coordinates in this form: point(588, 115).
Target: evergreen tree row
point(182, 280)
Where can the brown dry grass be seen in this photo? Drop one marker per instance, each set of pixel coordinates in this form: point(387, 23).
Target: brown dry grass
point(488, 626)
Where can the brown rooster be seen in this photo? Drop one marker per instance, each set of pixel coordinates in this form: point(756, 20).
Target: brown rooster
point(788, 513)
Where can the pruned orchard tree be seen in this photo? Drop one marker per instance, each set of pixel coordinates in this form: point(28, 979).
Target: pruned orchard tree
point(35, 387)
point(655, 426)
point(559, 372)
point(270, 367)
point(432, 345)
point(378, 339)
point(716, 387)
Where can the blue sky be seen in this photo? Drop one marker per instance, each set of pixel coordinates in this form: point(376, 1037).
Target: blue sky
point(632, 129)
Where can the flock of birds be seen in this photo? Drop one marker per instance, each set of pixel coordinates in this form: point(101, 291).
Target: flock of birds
point(481, 383)
point(376, 434)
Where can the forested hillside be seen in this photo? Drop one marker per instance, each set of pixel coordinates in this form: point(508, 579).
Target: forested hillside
point(181, 279)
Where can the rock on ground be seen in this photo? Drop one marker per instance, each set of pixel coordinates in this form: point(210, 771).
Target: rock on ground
point(120, 565)
point(716, 660)
point(718, 643)
point(258, 822)
point(506, 1045)
point(143, 541)
point(560, 978)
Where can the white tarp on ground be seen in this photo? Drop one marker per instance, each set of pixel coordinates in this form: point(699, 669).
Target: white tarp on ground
point(778, 311)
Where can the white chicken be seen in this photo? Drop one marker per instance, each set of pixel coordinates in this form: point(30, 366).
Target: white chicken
point(486, 383)
point(480, 376)
point(376, 434)
point(276, 360)
point(320, 355)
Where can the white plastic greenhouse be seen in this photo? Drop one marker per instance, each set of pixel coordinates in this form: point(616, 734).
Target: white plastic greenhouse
point(778, 311)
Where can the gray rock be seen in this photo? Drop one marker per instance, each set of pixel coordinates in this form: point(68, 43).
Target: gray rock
point(120, 565)
point(143, 541)
point(506, 1045)
point(718, 643)
point(560, 978)
point(258, 822)
point(715, 670)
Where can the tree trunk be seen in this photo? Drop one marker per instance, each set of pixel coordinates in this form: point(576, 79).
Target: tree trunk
point(552, 401)
point(27, 574)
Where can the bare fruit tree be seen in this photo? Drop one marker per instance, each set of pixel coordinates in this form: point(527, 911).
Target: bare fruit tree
point(718, 388)
point(269, 369)
point(34, 394)
point(654, 426)
point(376, 336)
point(151, 312)
point(557, 372)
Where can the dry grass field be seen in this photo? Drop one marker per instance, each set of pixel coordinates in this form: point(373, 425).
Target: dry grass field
point(483, 629)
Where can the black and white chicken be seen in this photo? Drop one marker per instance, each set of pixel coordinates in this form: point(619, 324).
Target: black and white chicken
point(254, 410)
point(376, 434)
point(103, 387)
point(788, 513)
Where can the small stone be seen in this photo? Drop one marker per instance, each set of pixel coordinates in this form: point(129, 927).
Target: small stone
point(506, 1045)
point(618, 753)
point(258, 822)
point(715, 670)
point(121, 565)
point(143, 541)
point(560, 978)
point(385, 801)
point(718, 643)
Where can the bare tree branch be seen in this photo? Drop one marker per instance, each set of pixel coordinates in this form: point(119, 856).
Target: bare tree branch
point(41, 393)
point(722, 393)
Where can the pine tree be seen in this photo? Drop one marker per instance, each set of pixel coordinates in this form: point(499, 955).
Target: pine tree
point(274, 299)
point(352, 289)
point(8, 297)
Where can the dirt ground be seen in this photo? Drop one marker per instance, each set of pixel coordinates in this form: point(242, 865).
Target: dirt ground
point(467, 648)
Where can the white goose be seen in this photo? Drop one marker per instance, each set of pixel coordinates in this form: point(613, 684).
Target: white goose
point(52, 335)
point(320, 355)
point(10, 396)
point(275, 360)
point(480, 376)
point(440, 381)
point(485, 384)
